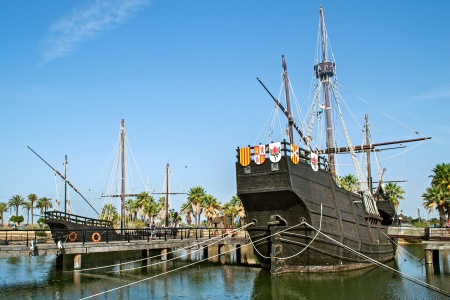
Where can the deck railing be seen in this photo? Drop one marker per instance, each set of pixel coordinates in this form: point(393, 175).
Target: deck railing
point(62, 216)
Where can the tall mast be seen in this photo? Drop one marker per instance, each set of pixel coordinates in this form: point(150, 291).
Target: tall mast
point(122, 194)
point(66, 190)
point(167, 195)
point(288, 100)
point(367, 142)
point(324, 71)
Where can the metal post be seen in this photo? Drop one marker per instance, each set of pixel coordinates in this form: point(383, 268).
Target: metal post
point(418, 212)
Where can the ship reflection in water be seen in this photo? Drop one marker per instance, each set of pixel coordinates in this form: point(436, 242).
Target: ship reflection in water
point(37, 278)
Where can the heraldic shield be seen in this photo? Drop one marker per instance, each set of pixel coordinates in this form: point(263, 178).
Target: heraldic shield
point(274, 150)
point(244, 156)
point(259, 154)
point(295, 157)
point(314, 161)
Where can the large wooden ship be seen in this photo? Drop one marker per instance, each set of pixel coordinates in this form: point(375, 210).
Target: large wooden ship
point(302, 220)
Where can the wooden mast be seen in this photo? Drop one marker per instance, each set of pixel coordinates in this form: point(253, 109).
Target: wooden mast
point(288, 100)
point(324, 71)
point(167, 195)
point(66, 191)
point(122, 194)
point(368, 166)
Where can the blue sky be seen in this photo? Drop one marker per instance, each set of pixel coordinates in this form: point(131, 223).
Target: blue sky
point(183, 76)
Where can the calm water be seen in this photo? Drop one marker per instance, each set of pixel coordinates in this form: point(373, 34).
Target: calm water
point(37, 278)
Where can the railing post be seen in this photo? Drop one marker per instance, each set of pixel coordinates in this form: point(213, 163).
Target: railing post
point(107, 239)
point(84, 235)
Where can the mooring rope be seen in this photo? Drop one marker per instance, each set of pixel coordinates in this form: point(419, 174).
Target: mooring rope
point(412, 279)
point(164, 273)
point(298, 253)
point(179, 249)
point(396, 244)
point(408, 277)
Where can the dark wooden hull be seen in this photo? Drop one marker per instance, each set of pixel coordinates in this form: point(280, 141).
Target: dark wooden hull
point(277, 197)
point(67, 227)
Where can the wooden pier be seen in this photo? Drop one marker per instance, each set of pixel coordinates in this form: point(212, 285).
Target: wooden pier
point(76, 250)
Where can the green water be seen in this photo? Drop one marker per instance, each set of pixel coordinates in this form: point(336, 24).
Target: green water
point(37, 278)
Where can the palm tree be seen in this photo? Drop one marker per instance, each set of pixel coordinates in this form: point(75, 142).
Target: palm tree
point(150, 208)
point(109, 213)
point(32, 198)
point(43, 204)
point(3, 208)
point(161, 208)
point(195, 197)
point(16, 201)
point(348, 183)
point(435, 198)
point(141, 201)
point(26, 205)
point(441, 177)
point(212, 207)
point(186, 209)
point(229, 210)
point(240, 211)
point(130, 207)
point(395, 194)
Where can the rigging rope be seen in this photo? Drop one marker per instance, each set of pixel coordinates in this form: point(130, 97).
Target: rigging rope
point(178, 249)
point(379, 264)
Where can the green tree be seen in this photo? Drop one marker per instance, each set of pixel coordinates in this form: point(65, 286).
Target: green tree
point(142, 200)
point(32, 198)
point(26, 205)
point(131, 210)
point(150, 209)
point(435, 198)
point(186, 210)
point(229, 210)
point(109, 213)
point(16, 219)
point(441, 179)
point(3, 208)
point(348, 183)
point(395, 194)
point(16, 201)
point(43, 204)
point(196, 198)
point(161, 209)
point(239, 207)
point(212, 207)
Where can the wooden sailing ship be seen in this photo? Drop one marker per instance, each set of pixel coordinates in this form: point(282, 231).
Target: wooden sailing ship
point(302, 220)
point(70, 227)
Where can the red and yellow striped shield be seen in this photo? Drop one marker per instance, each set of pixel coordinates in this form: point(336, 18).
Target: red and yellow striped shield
point(294, 154)
point(244, 156)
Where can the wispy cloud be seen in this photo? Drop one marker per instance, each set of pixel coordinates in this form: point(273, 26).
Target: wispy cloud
point(85, 23)
point(440, 92)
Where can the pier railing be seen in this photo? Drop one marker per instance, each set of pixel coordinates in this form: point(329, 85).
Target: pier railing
point(104, 235)
point(429, 233)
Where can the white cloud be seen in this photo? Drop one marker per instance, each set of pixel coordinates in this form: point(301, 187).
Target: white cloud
point(86, 23)
point(440, 92)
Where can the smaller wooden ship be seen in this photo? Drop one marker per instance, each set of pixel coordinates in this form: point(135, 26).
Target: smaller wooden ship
point(302, 220)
